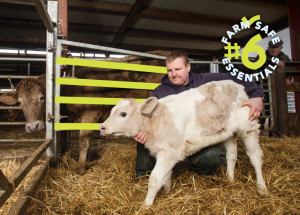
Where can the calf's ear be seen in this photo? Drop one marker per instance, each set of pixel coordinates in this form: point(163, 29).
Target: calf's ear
point(148, 106)
point(9, 98)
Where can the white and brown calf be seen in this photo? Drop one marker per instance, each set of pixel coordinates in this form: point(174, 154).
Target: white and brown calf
point(179, 125)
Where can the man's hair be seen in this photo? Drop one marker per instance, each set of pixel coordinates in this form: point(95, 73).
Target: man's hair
point(177, 54)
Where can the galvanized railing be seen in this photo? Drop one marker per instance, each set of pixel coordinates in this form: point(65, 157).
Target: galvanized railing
point(8, 185)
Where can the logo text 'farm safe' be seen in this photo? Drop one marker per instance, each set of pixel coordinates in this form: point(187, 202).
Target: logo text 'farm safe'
point(250, 47)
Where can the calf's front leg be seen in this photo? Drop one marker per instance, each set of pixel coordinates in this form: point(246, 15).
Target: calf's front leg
point(161, 175)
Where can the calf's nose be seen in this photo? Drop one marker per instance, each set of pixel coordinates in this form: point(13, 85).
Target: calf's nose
point(102, 127)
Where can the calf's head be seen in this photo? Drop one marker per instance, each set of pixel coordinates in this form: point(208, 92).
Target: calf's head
point(126, 117)
point(30, 95)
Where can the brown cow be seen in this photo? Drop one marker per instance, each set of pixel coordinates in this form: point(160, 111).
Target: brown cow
point(31, 97)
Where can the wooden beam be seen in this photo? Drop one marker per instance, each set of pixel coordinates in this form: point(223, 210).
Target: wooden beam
point(174, 36)
point(75, 27)
point(24, 200)
point(22, 171)
point(294, 23)
point(24, 2)
point(155, 13)
point(141, 48)
point(131, 17)
point(267, 3)
point(103, 6)
point(4, 183)
point(283, 118)
point(295, 87)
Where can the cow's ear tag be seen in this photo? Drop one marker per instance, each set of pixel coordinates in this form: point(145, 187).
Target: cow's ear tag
point(148, 106)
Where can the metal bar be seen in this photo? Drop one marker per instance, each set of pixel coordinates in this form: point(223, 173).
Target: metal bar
point(213, 62)
point(22, 59)
point(22, 140)
point(41, 7)
point(28, 69)
point(24, 200)
point(50, 65)
point(57, 74)
point(10, 108)
point(12, 123)
point(22, 171)
point(104, 48)
point(17, 76)
point(130, 18)
point(7, 91)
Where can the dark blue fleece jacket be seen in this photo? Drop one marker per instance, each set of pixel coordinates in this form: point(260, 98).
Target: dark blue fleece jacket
point(195, 80)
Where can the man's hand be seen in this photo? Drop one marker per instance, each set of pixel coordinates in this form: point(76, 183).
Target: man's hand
point(288, 82)
point(281, 64)
point(141, 138)
point(256, 106)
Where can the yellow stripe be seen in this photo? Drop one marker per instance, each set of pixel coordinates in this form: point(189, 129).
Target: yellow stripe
point(102, 83)
point(76, 126)
point(111, 65)
point(90, 100)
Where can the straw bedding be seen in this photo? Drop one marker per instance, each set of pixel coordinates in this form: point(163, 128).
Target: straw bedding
point(109, 187)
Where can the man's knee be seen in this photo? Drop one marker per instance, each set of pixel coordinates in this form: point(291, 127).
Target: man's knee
point(208, 159)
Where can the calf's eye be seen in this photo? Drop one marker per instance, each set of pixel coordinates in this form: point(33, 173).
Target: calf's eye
point(123, 114)
point(42, 98)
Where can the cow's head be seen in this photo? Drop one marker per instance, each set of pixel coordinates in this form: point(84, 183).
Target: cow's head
point(30, 95)
point(126, 117)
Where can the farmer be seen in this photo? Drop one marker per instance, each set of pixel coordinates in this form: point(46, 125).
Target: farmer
point(179, 79)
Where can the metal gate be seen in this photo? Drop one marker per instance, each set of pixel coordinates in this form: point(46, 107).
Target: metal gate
point(7, 186)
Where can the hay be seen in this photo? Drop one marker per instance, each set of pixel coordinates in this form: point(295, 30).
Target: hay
point(8, 167)
point(12, 153)
point(108, 186)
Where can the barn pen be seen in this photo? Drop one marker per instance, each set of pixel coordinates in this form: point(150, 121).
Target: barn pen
point(109, 186)
point(9, 183)
point(115, 166)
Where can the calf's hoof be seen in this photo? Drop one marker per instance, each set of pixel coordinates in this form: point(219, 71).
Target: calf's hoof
point(167, 187)
point(262, 190)
point(80, 170)
point(145, 206)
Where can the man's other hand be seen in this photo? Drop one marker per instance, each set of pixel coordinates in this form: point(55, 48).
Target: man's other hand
point(281, 64)
point(141, 138)
point(256, 106)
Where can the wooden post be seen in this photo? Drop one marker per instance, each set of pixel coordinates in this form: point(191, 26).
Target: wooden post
point(273, 80)
point(283, 119)
point(293, 7)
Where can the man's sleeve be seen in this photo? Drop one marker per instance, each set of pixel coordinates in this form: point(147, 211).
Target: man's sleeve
point(251, 88)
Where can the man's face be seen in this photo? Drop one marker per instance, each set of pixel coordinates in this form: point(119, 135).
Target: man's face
point(275, 51)
point(178, 73)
